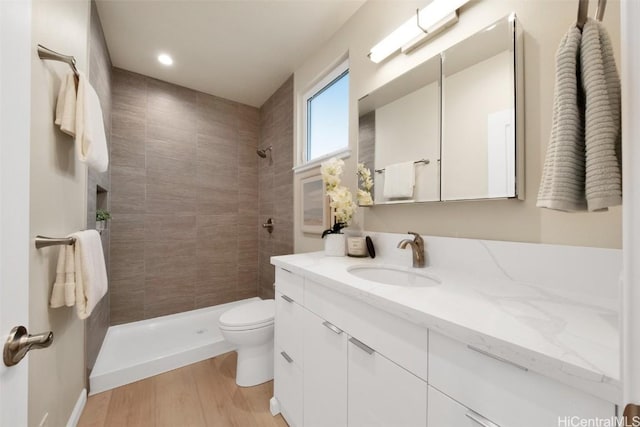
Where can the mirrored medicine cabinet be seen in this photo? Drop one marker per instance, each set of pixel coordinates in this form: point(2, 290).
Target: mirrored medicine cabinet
point(457, 117)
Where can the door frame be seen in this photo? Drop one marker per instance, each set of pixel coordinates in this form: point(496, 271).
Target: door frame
point(630, 70)
point(15, 124)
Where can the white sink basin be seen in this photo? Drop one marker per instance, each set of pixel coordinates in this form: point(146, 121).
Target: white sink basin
point(395, 275)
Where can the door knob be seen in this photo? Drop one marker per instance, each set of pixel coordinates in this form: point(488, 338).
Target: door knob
point(20, 342)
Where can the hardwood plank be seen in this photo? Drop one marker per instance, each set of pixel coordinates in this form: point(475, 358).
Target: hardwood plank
point(132, 405)
point(202, 394)
point(256, 398)
point(177, 402)
point(95, 411)
point(221, 406)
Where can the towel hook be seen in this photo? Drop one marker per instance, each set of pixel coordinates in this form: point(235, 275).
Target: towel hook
point(602, 5)
point(583, 11)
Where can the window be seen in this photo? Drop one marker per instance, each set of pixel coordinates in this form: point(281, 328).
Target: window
point(327, 115)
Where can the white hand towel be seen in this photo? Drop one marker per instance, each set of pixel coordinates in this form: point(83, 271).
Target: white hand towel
point(66, 105)
point(91, 141)
point(562, 184)
point(399, 180)
point(91, 272)
point(57, 293)
point(69, 276)
point(603, 177)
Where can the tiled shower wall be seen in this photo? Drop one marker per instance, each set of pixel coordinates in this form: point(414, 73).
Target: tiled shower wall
point(184, 199)
point(100, 78)
point(276, 182)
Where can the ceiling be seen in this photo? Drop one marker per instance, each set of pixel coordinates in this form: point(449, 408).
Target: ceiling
point(241, 50)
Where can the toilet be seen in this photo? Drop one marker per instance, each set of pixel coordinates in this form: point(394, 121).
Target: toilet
point(250, 328)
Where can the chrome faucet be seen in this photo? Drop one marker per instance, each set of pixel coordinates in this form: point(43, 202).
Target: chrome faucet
point(417, 245)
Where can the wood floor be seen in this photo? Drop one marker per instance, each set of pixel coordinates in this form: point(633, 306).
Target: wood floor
point(202, 394)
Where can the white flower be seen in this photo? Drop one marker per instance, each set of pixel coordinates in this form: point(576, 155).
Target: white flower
point(331, 171)
point(341, 198)
point(364, 198)
point(342, 202)
point(364, 174)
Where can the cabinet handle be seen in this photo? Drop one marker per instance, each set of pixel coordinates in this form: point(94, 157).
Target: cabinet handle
point(286, 357)
point(286, 298)
point(362, 345)
point(498, 358)
point(332, 327)
point(479, 419)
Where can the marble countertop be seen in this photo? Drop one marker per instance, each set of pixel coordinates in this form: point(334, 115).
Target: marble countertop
point(565, 336)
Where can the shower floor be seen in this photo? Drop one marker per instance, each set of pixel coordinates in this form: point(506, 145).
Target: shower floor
point(139, 350)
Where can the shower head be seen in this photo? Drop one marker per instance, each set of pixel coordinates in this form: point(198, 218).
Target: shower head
point(263, 152)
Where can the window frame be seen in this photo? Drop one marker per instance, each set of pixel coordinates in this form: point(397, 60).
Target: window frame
point(336, 72)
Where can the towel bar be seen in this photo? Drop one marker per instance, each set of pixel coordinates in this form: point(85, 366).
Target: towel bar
point(46, 53)
point(43, 241)
point(425, 161)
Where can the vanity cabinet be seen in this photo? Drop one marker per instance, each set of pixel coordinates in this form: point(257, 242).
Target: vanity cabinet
point(350, 364)
point(381, 393)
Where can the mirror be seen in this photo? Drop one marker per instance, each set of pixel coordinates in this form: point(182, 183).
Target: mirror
point(454, 118)
point(479, 114)
point(400, 123)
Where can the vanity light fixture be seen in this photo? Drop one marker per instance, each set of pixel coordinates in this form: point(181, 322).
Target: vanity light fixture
point(165, 59)
point(431, 20)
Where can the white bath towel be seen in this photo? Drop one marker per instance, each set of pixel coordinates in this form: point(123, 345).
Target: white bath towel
point(603, 177)
point(562, 184)
point(91, 272)
point(66, 105)
point(399, 180)
point(70, 276)
point(91, 141)
point(57, 293)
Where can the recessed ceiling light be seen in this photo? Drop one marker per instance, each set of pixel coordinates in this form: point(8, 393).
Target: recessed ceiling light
point(165, 59)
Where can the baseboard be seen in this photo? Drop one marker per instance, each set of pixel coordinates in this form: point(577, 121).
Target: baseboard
point(77, 409)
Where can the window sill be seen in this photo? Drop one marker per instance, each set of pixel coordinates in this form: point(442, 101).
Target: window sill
point(340, 154)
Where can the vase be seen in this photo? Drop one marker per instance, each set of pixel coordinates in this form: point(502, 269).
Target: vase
point(101, 226)
point(334, 244)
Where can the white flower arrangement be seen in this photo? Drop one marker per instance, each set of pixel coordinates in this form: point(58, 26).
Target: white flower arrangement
point(340, 196)
point(364, 193)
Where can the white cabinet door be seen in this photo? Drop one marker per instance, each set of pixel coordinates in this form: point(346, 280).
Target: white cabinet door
point(446, 412)
point(325, 373)
point(381, 393)
point(288, 388)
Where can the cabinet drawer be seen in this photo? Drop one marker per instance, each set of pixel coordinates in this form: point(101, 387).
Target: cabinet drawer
point(287, 388)
point(290, 284)
point(288, 325)
point(381, 393)
point(506, 394)
point(446, 412)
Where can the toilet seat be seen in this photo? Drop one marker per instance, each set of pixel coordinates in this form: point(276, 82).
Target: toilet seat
point(253, 315)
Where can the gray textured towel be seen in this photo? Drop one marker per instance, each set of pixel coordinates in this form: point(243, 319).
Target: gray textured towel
point(582, 165)
point(562, 185)
point(603, 179)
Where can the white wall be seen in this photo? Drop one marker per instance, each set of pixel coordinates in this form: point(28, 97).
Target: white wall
point(58, 207)
point(544, 23)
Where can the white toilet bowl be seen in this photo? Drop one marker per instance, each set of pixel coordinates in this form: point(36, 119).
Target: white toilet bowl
point(250, 328)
